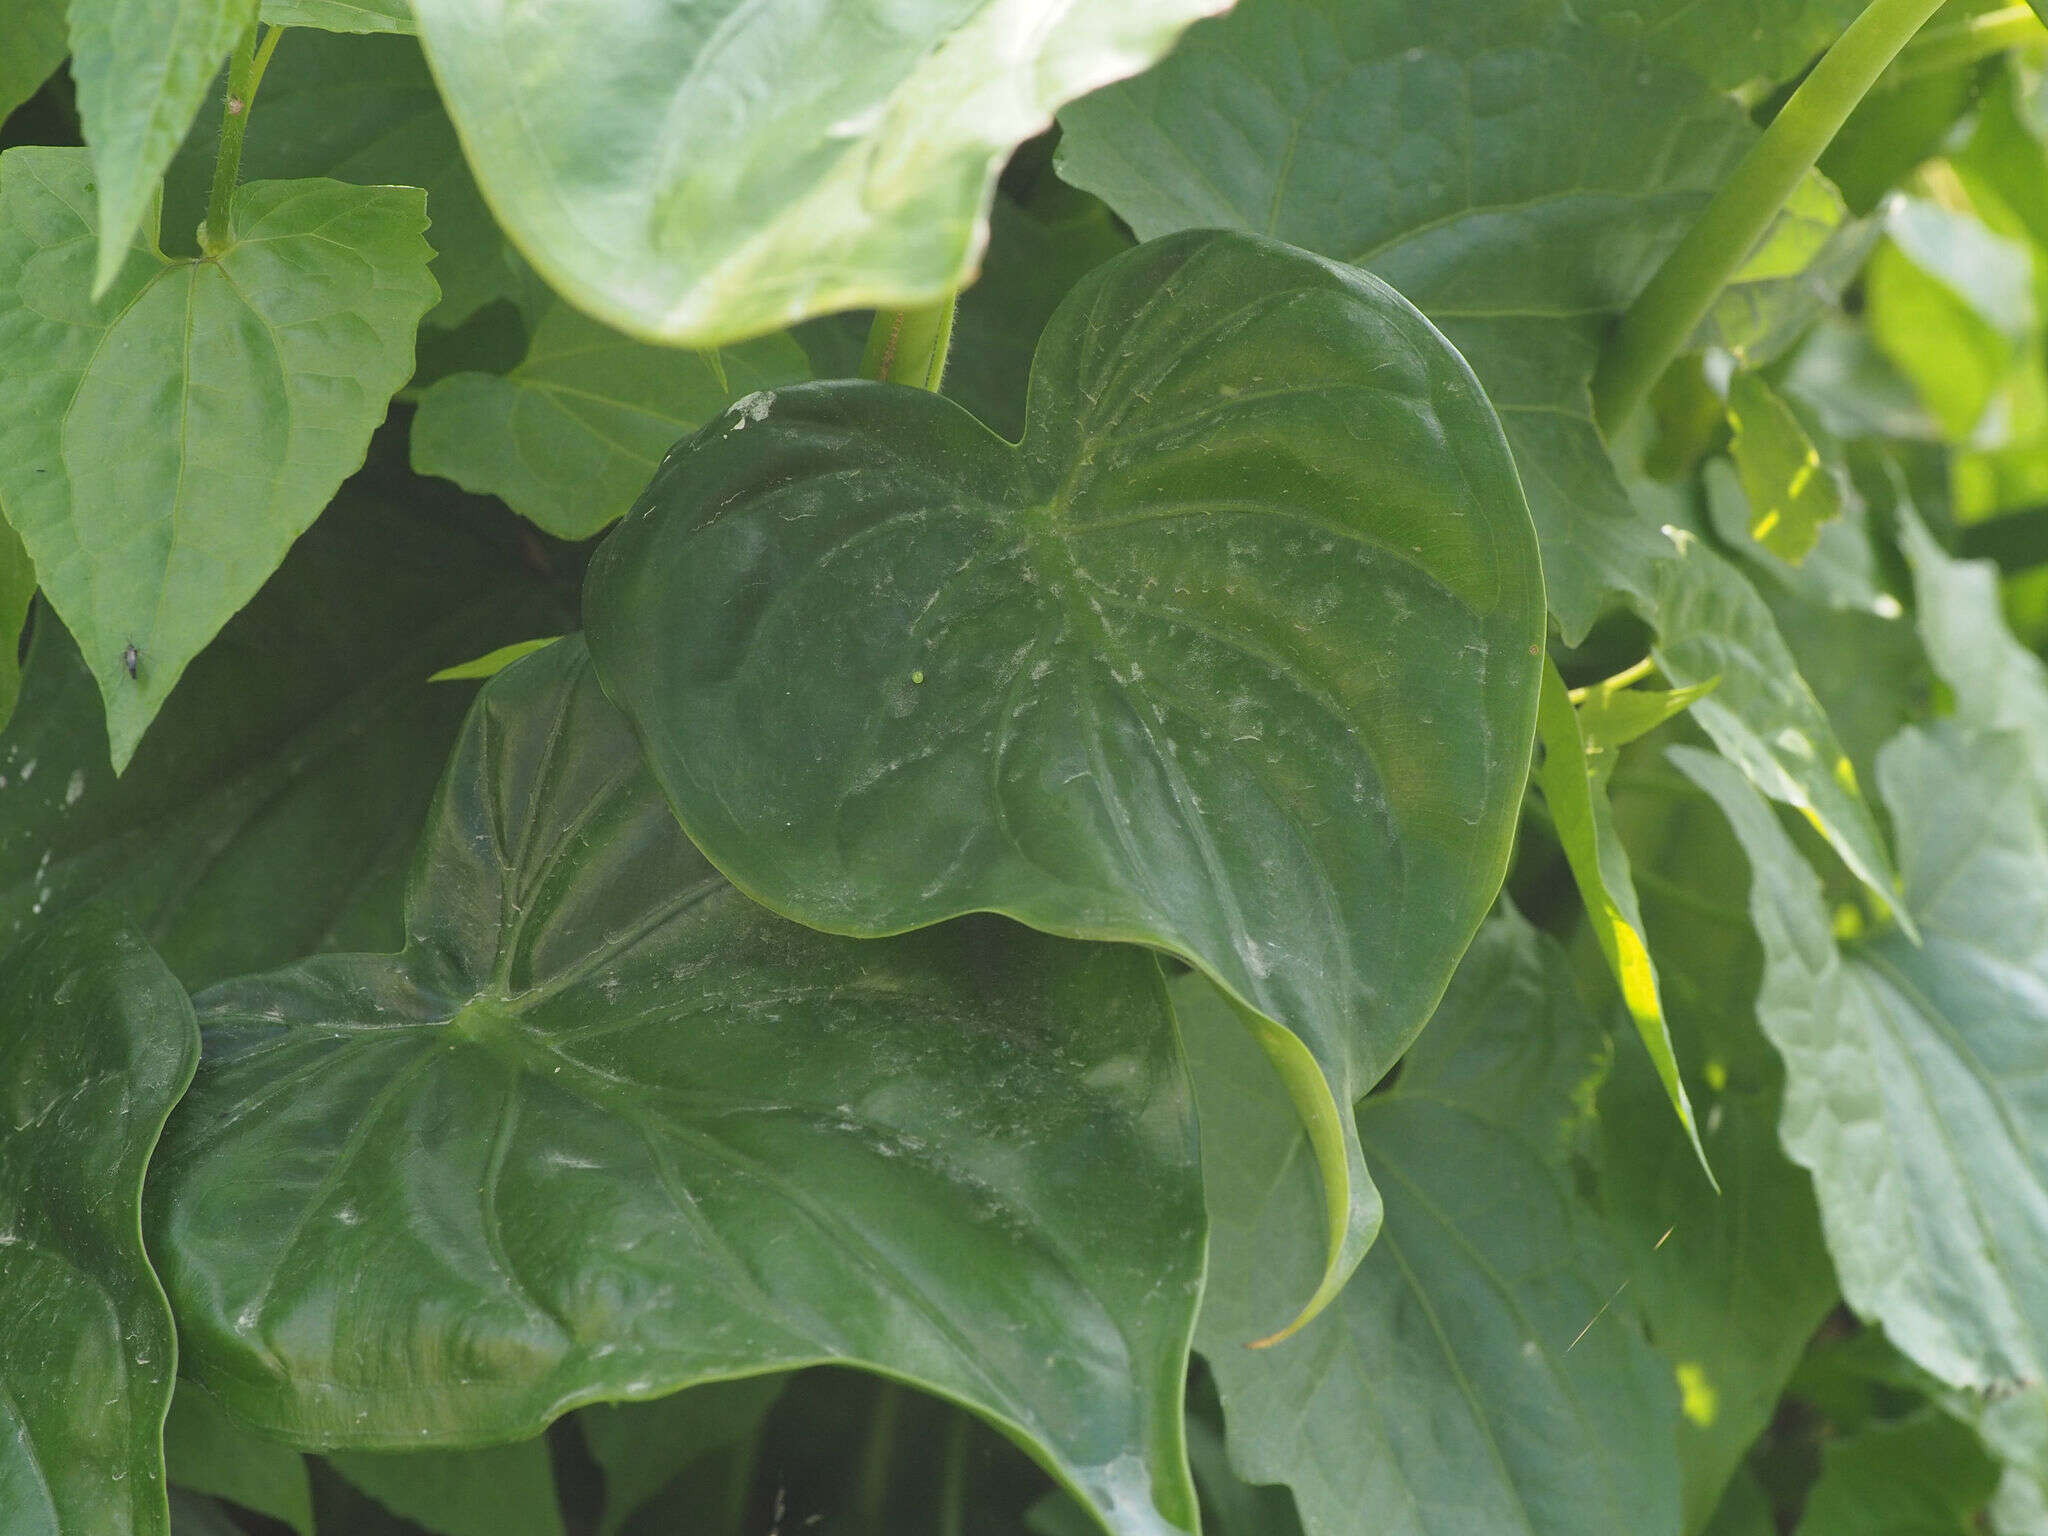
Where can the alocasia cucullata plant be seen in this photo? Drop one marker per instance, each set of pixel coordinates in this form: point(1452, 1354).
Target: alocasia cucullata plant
point(1008, 767)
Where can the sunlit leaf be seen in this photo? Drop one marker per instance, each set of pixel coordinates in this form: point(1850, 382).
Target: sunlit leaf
point(700, 172)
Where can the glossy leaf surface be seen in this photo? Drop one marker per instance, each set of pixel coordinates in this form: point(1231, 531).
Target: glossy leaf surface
point(701, 172)
point(605, 1129)
point(242, 388)
point(1516, 171)
point(1914, 1072)
point(142, 69)
point(96, 1044)
point(570, 437)
point(1235, 656)
point(273, 809)
point(1454, 1387)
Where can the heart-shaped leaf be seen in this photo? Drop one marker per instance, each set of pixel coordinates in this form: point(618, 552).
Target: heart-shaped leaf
point(240, 390)
point(698, 171)
point(96, 1044)
point(1235, 656)
point(605, 1129)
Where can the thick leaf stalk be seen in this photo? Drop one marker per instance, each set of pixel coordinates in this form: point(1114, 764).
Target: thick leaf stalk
point(245, 74)
point(1667, 313)
point(909, 346)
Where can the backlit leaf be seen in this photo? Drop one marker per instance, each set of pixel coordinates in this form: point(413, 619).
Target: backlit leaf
point(700, 172)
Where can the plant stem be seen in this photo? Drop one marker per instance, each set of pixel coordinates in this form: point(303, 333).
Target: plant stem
point(909, 346)
point(1966, 41)
point(953, 1478)
point(1667, 313)
point(872, 1493)
point(245, 74)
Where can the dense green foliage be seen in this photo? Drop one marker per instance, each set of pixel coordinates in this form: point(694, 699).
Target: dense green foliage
point(1343, 833)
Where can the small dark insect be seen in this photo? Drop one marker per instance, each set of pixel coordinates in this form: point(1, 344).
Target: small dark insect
point(131, 658)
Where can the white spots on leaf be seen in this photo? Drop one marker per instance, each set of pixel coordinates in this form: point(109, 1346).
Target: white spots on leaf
point(74, 788)
point(751, 408)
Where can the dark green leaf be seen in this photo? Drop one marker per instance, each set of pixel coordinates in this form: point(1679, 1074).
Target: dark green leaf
point(273, 808)
point(1730, 42)
point(1234, 656)
point(1924, 1476)
point(17, 591)
point(499, 1490)
point(605, 1129)
point(1473, 1377)
point(208, 1452)
point(572, 435)
point(142, 68)
point(1515, 172)
point(96, 1044)
point(640, 1446)
point(700, 172)
point(36, 44)
point(241, 390)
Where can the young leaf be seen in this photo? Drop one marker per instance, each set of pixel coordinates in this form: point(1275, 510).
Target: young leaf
point(208, 1452)
point(1762, 716)
point(240, 389)
point(1235, 656)
point(1792, 495)
point(1912, 1068)
point(272, 810)
point(142, 68)
point(695, 174)
point(96, 1044)
point(1473, 1376)
point(670, 1138)
point(571, 436)
point(1515, 172)
point(36, 44)
point(497, 1490)
point(491, 663)
point(1599, 864)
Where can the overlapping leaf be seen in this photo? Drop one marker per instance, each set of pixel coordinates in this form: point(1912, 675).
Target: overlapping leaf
point(36, 44)
point(207, 1452)
point(272, 810)
point(142, 68)
point(96, 1044)
point(701, 172)
point(605, 1128)
point(1235, 656)
point(1470, 1378)
point(570, 437)
point(240, 391)
point(1515, 171)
